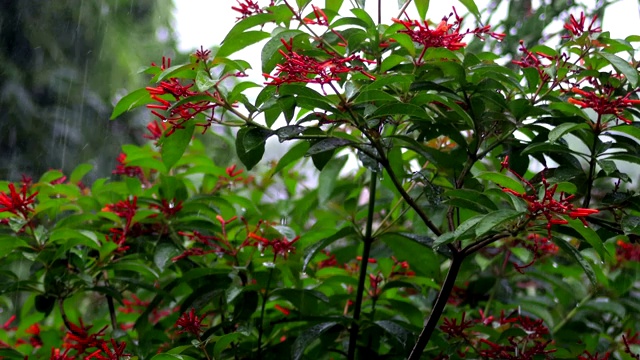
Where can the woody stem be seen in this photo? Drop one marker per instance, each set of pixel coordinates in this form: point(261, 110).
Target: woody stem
point(438, 307)
point(592, 163)
point(265, 297)
point(368, 240)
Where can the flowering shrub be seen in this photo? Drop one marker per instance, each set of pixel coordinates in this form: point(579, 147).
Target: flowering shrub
point(483, 186)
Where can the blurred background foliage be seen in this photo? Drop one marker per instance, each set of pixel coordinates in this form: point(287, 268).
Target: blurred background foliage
point(63, 66)
point(65, 63)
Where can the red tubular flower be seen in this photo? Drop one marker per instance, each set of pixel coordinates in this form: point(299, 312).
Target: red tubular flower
point(247, 8)
point(7, 325)
point(605, 104)
point(549, 207)
point(321, 17)
point(586, 355)
point(627, 252)
point(279, 246)
point(34, 331)
point(576, 27)
point(283, 310)
point(299, 68)
point(156, 129)
point(56, 355)
point(17, 203)
point(125, 209)
point(445, 35)
point(190, 322)
point(78, 337)
point(168, 92)
point(123, 169)
point(453, 329)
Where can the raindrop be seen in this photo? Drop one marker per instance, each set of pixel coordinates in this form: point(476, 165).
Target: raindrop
point(555, 265)
point(555, 300)
point(284, 221)
point(171, 205)
point(164, 120)
point(269, 264)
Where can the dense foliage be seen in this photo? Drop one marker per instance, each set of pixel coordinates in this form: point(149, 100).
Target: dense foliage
point(489, 213)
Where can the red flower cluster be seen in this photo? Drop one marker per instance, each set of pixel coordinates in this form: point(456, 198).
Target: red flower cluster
point(548, 207)
point(321, 17)
point(79, 339)
point(627, 252)
point(281, 246)
point(604, 104)
point(17, 202)
point(629, 340)
point(453, 329)
point(445, 35)
point(123, 169)
point(299, 68)
point(216, 244)
point(190, 322)
point(156, 129)
point(576, 27)
point(533, 345)
point(538, 245)
point(172, 99)
point(535, 60)
point(127, 210)
point(248, 8)
point(586, 355)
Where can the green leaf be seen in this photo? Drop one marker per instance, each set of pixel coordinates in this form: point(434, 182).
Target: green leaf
point(163, 254)
point(473, 9)
point(131, 101)
point(422, 6)
point(174, 146)
point(622, 66)
point(247, 23)
point(481, 201)
point(327, 145)
point(399, 109)
point(185, 71)
point(241, 41)
point(255, 137)
point(398, 332)
point(8, 353)
point(392, 60)
point(79, 172)
point(328, 177)
point(8, 243)
point(577, 256)
point(591, 237)
point(204, 82)
point(333, 5)
point(296, 152)
point(307, 337)
point(372, 96)
point(493, 220)
point(312, 250)
point(502, 180)
point(364, 16)
point(167, 356)
point(135, 266)
point(565, 128)
point(223, 342)
point(405, 41)
point(248, 157)
point(450, 237)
